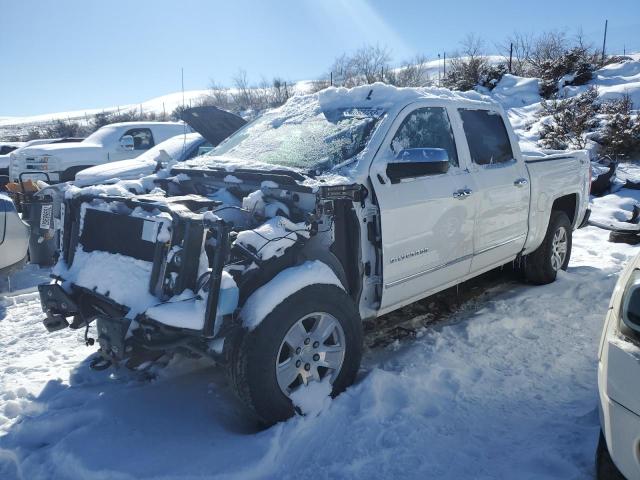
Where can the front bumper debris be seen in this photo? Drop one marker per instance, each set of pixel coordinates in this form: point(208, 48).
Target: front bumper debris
point(57, 305)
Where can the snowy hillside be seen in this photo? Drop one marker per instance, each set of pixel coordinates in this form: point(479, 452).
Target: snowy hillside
point(163, 105)
point(520, 96)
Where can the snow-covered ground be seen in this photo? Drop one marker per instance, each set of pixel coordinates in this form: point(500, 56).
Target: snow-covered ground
point(504, 388)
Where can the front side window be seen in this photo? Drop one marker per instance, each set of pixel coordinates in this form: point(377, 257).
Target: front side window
point(487, 137)
point(142, 138)
point(426, 128)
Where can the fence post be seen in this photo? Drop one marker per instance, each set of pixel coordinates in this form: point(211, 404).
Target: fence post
point(604, 40)
point(510, 56)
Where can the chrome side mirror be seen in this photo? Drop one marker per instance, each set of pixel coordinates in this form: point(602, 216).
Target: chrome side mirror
point(127, 142)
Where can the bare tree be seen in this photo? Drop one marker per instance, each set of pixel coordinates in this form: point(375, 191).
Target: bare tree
point(367, 65)
point(522, 46)
point(412, 73)
point(242, 94)
point(467, 68)
point(548, 47)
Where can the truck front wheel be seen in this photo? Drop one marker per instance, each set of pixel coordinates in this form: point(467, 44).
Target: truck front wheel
point(314, 336)
point(542, 265)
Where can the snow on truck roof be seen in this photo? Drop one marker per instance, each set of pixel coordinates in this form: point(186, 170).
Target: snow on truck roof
point(390, 97)
point(308, 133)
point(144, 124)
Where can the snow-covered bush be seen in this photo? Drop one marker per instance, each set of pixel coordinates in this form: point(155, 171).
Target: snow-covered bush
point(493, 74)
point(569, 120)
point(620, 138)
point(412, 73)
point(573, 67)
point(467, 69)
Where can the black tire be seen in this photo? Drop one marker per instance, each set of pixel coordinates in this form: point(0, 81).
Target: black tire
point(252, 370)
point(605, 468)
point(624, 237)
point(538, 268)
point(69, 175)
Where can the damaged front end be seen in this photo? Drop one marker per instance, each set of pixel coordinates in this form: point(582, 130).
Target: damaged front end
point(127, 260)
point(169, 270)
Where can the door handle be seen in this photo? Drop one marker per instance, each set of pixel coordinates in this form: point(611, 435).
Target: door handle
point(462, 194)
point(521, 182)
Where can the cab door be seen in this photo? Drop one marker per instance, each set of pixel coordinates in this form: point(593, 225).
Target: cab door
point(502, 189)
point(426, 221)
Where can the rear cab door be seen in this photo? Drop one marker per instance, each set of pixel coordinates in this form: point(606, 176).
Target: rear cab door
point(501, 191)
point(427, 225)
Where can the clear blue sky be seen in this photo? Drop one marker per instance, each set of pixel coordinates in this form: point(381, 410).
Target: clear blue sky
point(76, 54)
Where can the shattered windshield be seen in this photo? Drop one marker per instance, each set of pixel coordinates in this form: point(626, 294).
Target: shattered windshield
point(313, 143)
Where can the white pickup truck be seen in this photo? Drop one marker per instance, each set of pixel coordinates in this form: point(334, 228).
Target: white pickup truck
point(268, 252)
point(117, 141)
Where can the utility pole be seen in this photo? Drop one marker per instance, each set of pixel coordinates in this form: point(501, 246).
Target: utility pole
point(438, 69)
point(604, 41)
point(331, 78)
point(510, 56)
point(444, 65)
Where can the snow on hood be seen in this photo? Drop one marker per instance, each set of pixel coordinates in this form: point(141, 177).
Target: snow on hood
point(144, 164)
point(77, 148)
point(122, 170)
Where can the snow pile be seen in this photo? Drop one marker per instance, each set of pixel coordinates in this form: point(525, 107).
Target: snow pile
point(187, 310)
point(313, 399)
point(286, 283)
point(613, 82)
point(513, 91)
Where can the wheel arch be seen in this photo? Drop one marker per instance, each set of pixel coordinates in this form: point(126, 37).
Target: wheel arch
point(567, 204)
point(284, 284)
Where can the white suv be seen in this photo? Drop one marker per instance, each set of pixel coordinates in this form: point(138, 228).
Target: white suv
point(618, 372)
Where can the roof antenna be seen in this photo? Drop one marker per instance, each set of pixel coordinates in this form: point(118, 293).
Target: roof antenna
point(370, 93)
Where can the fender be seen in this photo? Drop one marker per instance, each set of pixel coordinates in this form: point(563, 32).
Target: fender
point(287, 282)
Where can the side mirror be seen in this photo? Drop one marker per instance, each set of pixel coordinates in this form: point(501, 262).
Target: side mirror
point(127, 143)
point(631, 303)
point(418, 162)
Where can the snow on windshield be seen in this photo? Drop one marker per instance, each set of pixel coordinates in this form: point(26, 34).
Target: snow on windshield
point(308, 139)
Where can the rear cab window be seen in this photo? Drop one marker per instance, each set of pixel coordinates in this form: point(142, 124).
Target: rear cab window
point(487, 137)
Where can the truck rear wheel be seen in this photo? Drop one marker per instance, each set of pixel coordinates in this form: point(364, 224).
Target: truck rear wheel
point(542, 265)
point(314, 335)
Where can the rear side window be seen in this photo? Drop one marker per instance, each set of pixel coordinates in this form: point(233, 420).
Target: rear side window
point(486, 136)
point(142, 138)
point(426, 128)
